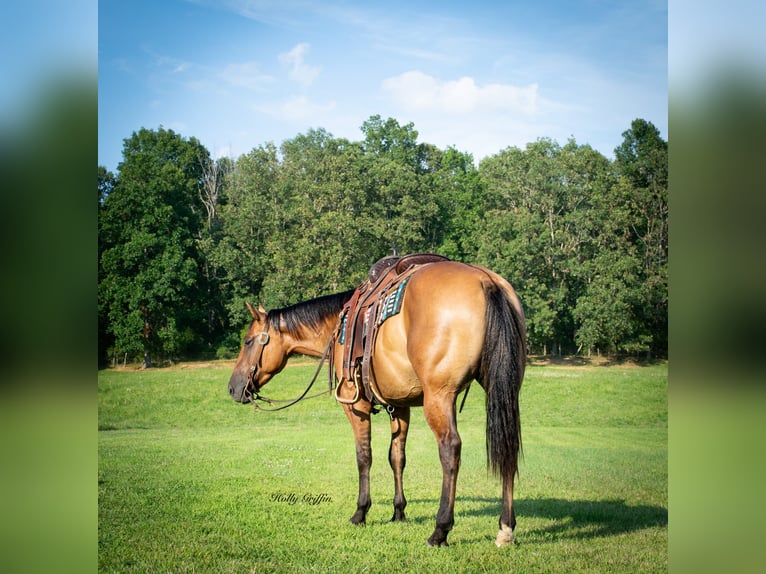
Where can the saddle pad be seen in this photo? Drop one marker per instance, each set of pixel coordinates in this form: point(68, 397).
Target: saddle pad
point(342, 338)
point(393, 302)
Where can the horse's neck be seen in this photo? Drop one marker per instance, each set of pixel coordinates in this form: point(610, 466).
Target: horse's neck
point(312, 342)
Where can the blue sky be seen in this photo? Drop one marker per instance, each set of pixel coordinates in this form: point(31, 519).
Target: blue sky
point(479, 76)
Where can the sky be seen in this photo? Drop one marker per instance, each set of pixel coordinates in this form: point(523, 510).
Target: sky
point(477, 76)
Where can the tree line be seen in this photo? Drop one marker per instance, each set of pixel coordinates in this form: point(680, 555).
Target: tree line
point(185, 240)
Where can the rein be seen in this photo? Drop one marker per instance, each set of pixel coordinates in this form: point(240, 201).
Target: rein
point(263, 339)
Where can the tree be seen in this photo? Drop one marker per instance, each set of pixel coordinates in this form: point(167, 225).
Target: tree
point(389, 139)
point(642, 164)
point(525, 188)
point(184, 240)
point(539, 225)
point(249, 217)
point(151, 221)
point(106, 182)
point(459, 190)
point(214, 174)
point(326, 232)
point(403, 203)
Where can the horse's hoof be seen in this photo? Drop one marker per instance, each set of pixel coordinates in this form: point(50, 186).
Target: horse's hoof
point(437, 541)
point(504, 536)
point(357, 520)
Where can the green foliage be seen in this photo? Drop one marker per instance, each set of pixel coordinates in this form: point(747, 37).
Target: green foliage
point(189, 481)
point(642, 163)
point(149, 262)
point(585, 248)
point(184, 240)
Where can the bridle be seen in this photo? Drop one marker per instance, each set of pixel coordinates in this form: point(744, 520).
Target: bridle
point(262, 340)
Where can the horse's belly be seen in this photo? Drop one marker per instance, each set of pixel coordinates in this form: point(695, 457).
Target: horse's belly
point(395, 379)
point(402, 390)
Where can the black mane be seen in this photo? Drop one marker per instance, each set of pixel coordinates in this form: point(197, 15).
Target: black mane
point(309, 314)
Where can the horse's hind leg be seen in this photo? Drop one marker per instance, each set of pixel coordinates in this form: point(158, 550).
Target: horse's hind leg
point(441, 417)
point(507, 522)
point(359, 416)
point(400, 423)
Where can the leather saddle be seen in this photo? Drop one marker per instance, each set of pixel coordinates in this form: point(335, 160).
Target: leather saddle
point(364, 313)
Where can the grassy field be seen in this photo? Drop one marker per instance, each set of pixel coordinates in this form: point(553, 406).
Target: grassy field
point(189, 481)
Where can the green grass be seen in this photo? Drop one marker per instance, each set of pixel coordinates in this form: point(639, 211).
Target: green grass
point(189, 481)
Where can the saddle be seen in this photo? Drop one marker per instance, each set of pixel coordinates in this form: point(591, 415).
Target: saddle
point(376, 299)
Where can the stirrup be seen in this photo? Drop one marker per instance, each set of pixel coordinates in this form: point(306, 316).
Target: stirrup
point(347, 401)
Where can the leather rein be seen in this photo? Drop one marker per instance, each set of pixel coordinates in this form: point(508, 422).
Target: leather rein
point(263, 339)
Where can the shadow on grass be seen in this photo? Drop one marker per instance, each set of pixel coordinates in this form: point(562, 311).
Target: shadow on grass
point(581, 519)
point(565, 519)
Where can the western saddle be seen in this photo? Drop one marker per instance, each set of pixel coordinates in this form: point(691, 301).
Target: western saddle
point(377, 298)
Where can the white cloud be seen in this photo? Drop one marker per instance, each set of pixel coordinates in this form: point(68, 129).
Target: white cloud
point(415, 90)
point(246, 75)
point(300, 72)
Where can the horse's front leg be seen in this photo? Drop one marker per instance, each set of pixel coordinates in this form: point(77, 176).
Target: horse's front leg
point(400, 424)
point(441, 417)
point(358, 415)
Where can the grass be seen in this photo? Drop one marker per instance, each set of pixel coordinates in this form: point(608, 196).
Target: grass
point(189, 481)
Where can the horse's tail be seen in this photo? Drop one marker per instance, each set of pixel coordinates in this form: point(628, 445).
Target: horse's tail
point(501, 372)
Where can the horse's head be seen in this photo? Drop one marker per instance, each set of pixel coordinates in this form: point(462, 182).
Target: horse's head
point(261, 357)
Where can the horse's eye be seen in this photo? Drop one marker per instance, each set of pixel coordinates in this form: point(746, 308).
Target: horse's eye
point(249, 341)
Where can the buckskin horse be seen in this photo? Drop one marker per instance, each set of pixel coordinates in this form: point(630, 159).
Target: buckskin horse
point(453, 323)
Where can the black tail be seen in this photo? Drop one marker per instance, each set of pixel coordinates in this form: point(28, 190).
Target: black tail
point(501, 372)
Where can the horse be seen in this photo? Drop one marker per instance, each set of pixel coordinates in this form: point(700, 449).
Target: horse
point(458, 323)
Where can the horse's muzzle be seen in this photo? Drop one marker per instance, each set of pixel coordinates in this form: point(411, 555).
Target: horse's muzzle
point(239, 389)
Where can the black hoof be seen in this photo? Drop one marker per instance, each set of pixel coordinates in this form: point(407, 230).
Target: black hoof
point(438, 540)
point(358, 519)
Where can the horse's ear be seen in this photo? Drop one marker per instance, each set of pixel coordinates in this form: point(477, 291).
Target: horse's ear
point(257, 314)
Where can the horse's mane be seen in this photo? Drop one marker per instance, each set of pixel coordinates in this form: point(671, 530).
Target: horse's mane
point(307, 314)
